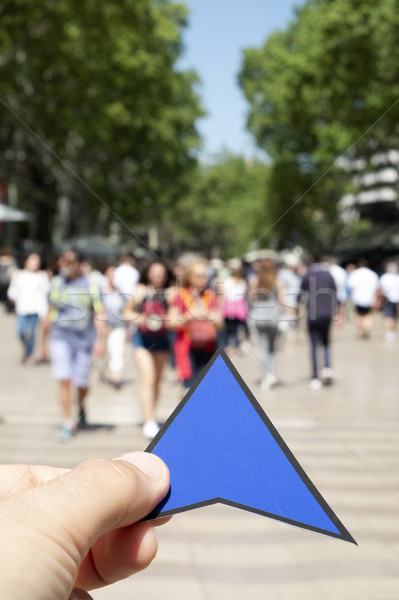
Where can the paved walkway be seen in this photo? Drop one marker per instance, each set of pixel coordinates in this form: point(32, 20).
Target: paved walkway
point(346, 437)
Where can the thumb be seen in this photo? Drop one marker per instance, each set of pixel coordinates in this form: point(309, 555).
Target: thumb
point(51, 528)
point(100, 495)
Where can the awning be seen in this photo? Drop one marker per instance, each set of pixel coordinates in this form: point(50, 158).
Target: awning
point(11, 214)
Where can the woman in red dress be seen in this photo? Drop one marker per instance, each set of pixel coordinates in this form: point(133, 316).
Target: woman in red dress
point(196, 318)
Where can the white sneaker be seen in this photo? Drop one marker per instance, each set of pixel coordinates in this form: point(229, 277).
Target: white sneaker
point(390, 336)
point(68, 430)
point(268, 382)
point(150, 429)
point(327, 374)
point(315, 384)
point(246, 346)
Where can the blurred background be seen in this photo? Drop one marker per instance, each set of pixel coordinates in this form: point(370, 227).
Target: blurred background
point(200, 127)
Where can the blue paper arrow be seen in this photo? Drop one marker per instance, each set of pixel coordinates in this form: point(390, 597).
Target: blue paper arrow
point(220, 446)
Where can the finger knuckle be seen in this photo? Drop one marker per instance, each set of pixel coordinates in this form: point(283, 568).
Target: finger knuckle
point(113, 471)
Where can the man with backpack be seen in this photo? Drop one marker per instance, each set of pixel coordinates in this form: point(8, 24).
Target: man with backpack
point(319, 290)
point(76, 321)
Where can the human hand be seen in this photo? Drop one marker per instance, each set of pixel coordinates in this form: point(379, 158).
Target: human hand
point(43, 353)
point(62, 528)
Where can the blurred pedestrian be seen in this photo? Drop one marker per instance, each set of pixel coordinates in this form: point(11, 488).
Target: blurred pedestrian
point(116, 331)
point(77, 321)
point(288, 274)
point(94, 271)
point(319, 290)
point(28, 291)
point(265, 299)
point(389, 290)
point(363, 286)
point(234, 305)
point(7, 266)
point(147, 309)
point(196, 318)
point(126, 275)
point(340, 277)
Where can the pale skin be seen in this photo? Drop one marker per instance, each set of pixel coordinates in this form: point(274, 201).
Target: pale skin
point(364, 324)
point(65, 396)
point(150, 365)
point(65, 532)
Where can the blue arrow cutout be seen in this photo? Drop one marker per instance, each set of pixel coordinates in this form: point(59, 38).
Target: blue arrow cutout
point(220, 446)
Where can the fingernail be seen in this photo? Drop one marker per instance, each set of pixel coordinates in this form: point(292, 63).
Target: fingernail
point(150, 464)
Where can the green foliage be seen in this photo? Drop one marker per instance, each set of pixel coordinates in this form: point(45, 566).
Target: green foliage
point(326, 86)
point(358, 228)
point(98, 84)
point(223, 211)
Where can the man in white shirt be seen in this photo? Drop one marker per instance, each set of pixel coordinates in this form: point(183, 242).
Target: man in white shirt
point(126, 276)
point(389, 290)
point(363, 286)
point(340, 277)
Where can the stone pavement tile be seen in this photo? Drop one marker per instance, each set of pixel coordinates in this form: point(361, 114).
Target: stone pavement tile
point(346, 437)
point(362, 588)
point(143, 586)
point(261, 591)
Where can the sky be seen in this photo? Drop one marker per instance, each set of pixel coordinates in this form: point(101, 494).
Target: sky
point(218, 30)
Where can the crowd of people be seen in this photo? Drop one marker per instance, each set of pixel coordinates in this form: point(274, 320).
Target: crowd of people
point(178, 314)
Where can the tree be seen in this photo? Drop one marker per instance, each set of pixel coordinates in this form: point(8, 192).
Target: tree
point(94, 107)
point(223, 210)
point(325, 87)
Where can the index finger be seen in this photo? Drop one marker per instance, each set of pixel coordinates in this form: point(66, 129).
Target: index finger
point(15, 479)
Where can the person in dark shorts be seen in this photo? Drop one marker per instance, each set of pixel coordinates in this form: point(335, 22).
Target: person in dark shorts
point(363, 286)
point(147, 310)
point(362, 311)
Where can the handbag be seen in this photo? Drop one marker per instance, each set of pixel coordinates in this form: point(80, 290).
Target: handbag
point(201, 332)
point(265, 311)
